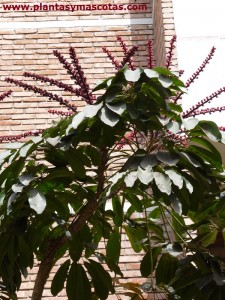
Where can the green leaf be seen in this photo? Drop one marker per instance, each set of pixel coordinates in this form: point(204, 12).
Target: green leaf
point(209, 146)
point(165, 81)
point(166, 268)
point(113, 247)
point(102, 85)
point(176, 178)
point(78, 119)
point(118, 107)
point(146, 175)
point(149, 261)
point(78, 285)
point(91, 110)
point(37, 201)
point(26, 179)
point(76, 248)
point(59, 278)
point(206, 155)
point(155, 213)
point(179, 227)
point(74, 158)
point(26, 149)
point(211, 130)
point(108, 117)
point(190, 123)
point(207, 235)
point(149, 160)
point(175, 107)
point(130, 178)
point(118, 211)
point(163, 71)
point(151, 73)
point(174, 127)
point(190, 159)
point(101, 279)
point(134, 237)
point(132, 75)
point(169, 158)
point(163, 182)
point(94, 155)
point(134, 200)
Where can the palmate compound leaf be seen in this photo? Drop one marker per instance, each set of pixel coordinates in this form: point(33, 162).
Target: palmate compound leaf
point(163, 182)
point(37, 201)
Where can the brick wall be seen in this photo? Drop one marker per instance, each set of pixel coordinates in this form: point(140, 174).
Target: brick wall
point(164, 29)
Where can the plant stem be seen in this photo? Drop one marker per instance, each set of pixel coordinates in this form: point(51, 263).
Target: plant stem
point(85, 213)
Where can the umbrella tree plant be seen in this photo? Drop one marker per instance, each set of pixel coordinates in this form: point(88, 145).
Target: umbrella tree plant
point(132, 145)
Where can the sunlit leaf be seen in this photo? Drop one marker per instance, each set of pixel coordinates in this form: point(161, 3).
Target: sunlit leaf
point(211, 130)
point(130, 179)
point(37, 201)
point(176, 178)
point(118, 107)
point(151, 73)
point(91, 110)
point(174, 127)
point(163, 182)
point(146, 175)
point(26, 179)
point(190, 123)
point(78, 119)
point(132, 75)
point(165, 81)
point(108, 117)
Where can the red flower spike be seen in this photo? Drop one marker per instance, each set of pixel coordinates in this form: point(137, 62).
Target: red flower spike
point(170, 53)
point(201, 68)
point(151, 59)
